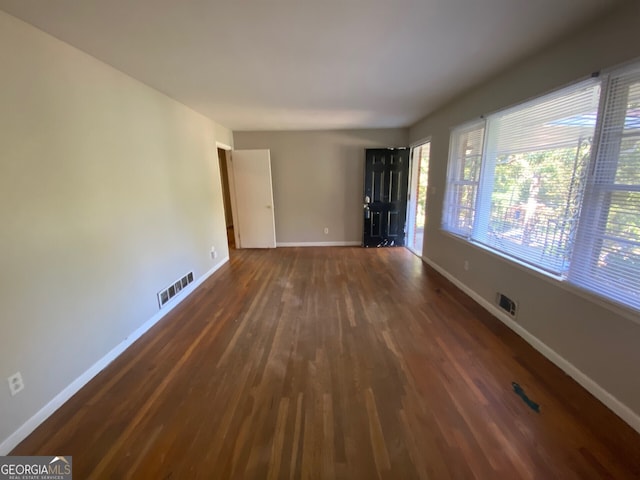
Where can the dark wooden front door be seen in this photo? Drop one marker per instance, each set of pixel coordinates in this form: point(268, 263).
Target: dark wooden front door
point(386, 176)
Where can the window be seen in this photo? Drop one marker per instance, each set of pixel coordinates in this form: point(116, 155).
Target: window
point(463, 177)
point(607, 257)
point(537, 187)
point(533, 173)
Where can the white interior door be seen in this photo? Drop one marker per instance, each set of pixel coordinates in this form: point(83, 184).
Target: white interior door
point(254, 198)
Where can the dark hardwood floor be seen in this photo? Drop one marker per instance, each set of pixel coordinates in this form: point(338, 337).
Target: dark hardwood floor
point(331, 363)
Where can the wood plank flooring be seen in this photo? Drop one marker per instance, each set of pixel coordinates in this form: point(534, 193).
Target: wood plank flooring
point(333, 363)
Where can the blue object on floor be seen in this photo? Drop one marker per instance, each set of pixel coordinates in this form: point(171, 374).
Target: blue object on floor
point(520, 392)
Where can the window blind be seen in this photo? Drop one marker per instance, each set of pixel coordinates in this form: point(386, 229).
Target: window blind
point(607, 257)
point(533, 176)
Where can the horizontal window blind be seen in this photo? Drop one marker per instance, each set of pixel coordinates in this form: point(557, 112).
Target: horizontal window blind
point(607, 257)
point(465, 157)
point(535, 164)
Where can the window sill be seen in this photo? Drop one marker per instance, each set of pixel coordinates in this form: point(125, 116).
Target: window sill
point(614, 307)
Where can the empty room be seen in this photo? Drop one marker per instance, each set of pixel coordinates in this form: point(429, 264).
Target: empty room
point(338, 240)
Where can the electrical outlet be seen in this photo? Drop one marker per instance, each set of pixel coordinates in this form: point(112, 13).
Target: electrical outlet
point(16, 384)
point(466, 265)
point(214, 253)
point(326, 230)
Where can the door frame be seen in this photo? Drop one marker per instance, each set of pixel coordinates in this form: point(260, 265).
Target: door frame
point(414, 177)
point(232, 188)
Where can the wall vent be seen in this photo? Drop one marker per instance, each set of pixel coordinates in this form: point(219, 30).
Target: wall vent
point(172, 290)
point(506, 304)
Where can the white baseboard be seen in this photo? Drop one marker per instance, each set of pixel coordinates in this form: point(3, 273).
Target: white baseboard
point(30, 425)
point(615, 405)
point(318, 244)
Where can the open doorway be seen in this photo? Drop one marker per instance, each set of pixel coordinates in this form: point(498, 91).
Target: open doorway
point(417, 208)
point(226, 198)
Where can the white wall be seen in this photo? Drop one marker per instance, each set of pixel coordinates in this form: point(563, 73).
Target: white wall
point(601, 343)
point(109, 191)
point(318, 180)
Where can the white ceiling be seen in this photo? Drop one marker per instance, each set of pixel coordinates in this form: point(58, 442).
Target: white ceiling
point(302, 64)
